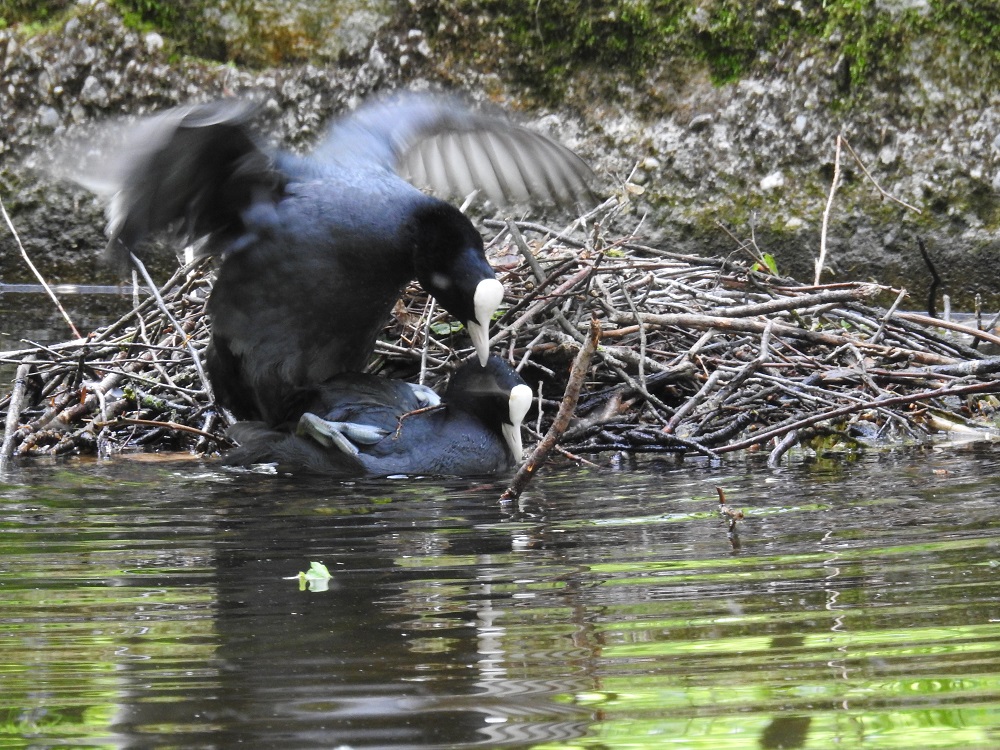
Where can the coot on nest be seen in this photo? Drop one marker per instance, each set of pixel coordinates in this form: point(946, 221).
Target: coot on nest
point(358, 424)
point(316, 250)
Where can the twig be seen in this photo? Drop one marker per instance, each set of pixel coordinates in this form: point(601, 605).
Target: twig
point(642, 333)
point(196, 359)
point(573, 457)
point(14, 409)
point(750, 367)
point(527, 226)
point(41, 280)
point(801, 301)
point(688, 406)
point(780, 329)
point(948, 325)
point(764, 435)
point(578, 374)
point(164, 425)
point(821, 260)
point(427, 337)
point(522, 247)
point(888, 315)
point(874, 182)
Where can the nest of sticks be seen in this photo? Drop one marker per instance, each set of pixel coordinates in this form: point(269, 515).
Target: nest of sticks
point(628, 347)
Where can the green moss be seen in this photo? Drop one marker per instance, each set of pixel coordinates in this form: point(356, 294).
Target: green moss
point(31, 11)
point(544, 44)
point(245, 32)
point(734, 35)
point(968, 200)
point(33, 17)
point(147, 14)
point(180, 22)
point(976, 24)
point(741, 38)
point(540, 44)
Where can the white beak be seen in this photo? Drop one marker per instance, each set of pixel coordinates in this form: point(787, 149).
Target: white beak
point(486, 300)
point(518, 405)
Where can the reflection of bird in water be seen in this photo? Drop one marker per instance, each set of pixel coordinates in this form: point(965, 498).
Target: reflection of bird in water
point(316, 250)
point(356, 424)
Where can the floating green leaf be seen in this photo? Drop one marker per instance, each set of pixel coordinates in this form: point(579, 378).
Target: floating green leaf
point(317, 578)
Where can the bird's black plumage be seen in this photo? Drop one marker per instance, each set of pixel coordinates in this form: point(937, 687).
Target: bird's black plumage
point(389, 430)
point(316, 250)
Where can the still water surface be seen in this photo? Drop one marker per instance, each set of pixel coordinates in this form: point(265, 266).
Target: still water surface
point(146, 604)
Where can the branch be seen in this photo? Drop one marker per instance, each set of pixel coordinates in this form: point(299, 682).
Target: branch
point(694, 320)
point(571, 396)
point(157, 423)
point(177, 326)
point(821, 260)
point(761, 437)
point(48, 289)
point(14, 412)
point(878, 187)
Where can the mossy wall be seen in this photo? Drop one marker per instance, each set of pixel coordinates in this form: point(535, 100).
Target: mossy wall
point(252, 33)
point(544, 45)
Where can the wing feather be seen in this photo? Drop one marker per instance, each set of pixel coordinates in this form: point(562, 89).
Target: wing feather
point(199, 167)
point(440, 143)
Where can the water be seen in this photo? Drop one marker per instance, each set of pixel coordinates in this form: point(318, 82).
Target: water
point(28, 317)
point(148, 604)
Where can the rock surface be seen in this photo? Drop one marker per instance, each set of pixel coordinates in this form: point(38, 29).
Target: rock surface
point(712, 166)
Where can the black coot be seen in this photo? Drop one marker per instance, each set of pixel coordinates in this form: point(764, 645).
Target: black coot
point(357, 424)
point(317, 250)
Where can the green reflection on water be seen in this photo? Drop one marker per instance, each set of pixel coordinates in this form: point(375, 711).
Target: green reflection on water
point(87, 604)
point(821, 636)
point(68, 653)
point(957, 729)
point(959, 639)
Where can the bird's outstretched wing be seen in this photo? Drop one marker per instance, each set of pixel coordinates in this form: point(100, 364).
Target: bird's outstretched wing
point(438, 142)
point(198, 167)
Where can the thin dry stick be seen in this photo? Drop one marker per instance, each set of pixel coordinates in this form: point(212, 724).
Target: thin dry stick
point(522, 247)
point(853, 293)
point(527, 226)
point(168, 425)
point(926, 320)
point(878, 187)
point(888, 316)
point(751, 367)
point(427, 338)
point(578, 373)
point(177, 326)
point(765, 435)
point(821, 260)
point(692, 320)
point(688, 406)
point(14, 411)
point(642, 333)
point(48, 289)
